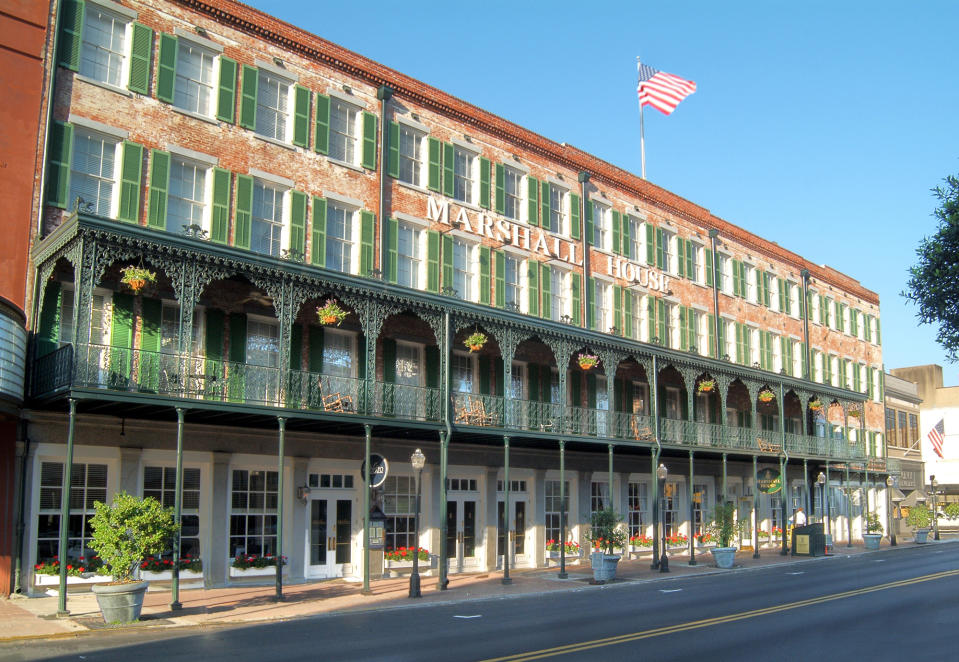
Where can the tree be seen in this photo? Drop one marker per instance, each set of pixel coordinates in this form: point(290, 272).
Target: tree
point(933, 283)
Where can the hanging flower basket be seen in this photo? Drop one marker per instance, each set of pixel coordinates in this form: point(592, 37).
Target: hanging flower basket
point(766, 395)
point(476, 341)
point(815, 405)
point(588, 361)
point(136, 278)
point(706, 386)
point(331, 314)
point(855, 413)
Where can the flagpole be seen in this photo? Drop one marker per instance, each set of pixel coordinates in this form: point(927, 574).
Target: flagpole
point(642, 131)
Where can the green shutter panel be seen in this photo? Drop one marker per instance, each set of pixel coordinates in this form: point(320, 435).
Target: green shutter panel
point(683, 339)
point(60, 152)
point(709, 266)
point(618, 242)
point(392, 249)
point(367, 239)
point(226, 94)
point(532, 382)
point(432, 360)
point(248, 99)
point(532, 202)
point(545, 383)
point(244, 211)
point(393, 150)
point(690, 260)
point(318, 244)
point(317, 343)
point(628, 314)
point(544, 206)
point(532, 273)
point(805, 372)
point(500, 279)
point(121, 334)
point(131, 172)
point(435, 156)
point(238, 337)
point(576, 294)
point(711, 334)
point(448, 263)
point(220, 221)
point(150, 333)
point(296, 348)
point(650, 245)
point(500, 202)
point(301, 116)
point(590, 226)
point(71, 34)
point(783, 295)
point(141, 50)
point(576, 388)
point(484, 192)
point(802, 305)
point(483, 367)
point(213, 342)
point(449, 155)
point(662, 322)
point(485, 255)
point(736, 290)
point(369, 140)
point(545, 286)
point(878, 334)
point(591, 390)
point(681, 257)
point(433, 261)
point(389, 361)
point(498, 372)
point(786, 350)
point(618, 307)
point(591, 303)
point(48, 327)
point(297, 224)
point(159, 187)
point(574, 217)
point(651, 318)
point(321, 125)
point(867, 328)
point(721, 341)
point(166, 68)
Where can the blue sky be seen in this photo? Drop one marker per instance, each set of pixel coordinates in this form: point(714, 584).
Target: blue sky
point(820, 125)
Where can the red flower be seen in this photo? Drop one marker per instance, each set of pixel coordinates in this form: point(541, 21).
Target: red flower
point(37, 566)
point(69, 567)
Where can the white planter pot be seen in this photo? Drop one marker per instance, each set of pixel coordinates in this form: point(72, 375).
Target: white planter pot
point(400, 568)
point(604, 566)
point(872, 540)
point(725, 557)
point(83, 580)
point(121, 603)
point(167, 575)
point(268, 571)
point(921, 536)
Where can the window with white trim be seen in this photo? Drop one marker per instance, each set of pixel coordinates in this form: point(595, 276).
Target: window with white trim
point(602, 306)
point(273, 106)
point(514, 283)
point(341, 240)
point(464, 174)
point(94, 171)
point(639, 316)
point(344, 131)
point(160, 483)
point(104, 54)
point(268, 222)
point(794, 294)
point(816, 313)
point(462, 371)
point(409, 255)
point(751, 285)
point(724, 270)
point(698, 273)
point(188, 195)
point(637, 508)
point(88, 484)
point(598, 496)
point(668, 251)
point(195, 80)
point(554, 507)
point(558, 220)
point(513, 193)
point(411, 155)
point(559, 294)
point(636, 242)
point(399, 506)
point(702, 333)
point(464, 276)
point(253, 512)
point(602, 237)
point(672, 325)
point(730, 337)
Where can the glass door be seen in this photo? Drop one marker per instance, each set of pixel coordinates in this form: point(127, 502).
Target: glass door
point(331, 539)
point(519, 554)
point(461, 540)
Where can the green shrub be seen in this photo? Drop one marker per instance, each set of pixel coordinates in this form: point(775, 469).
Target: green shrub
point(607, 531)
point(723, 525)
point(920, 517)
point(130, 529)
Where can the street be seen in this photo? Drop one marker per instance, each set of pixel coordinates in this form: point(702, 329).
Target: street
point(898, 602)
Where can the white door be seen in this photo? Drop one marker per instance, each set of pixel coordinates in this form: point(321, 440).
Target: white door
point(521, 553)
point(331, 536)
point(463, 542)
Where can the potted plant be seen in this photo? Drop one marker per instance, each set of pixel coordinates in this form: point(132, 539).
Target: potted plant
point(952, 511)
point(124, 532)
point(723, 528)
point(136, 278)
point(873, 533)
point(766, 395)
point(815, 405)
point(331, 314)
point(607, 533)
point(255, 564)
point(919, 518)
point(588, 361)
point(854, 413)
point(476, 341)
point(704, 539)
point(706, 385)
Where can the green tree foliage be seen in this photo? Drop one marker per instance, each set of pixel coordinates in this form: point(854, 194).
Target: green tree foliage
point(128, 530)
point(933, 283)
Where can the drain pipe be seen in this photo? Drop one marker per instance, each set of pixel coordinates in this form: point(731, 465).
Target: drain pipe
point(21, 525)
point(584, 299)
point(384, 93)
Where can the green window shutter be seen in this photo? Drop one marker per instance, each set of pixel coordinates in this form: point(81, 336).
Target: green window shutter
point(393, 150)
point(321, 125)
point(618, 307)
point(709, 266)
point(857, 378)
point(317, 343)
point(159, 188)
point(483, 367)
point(690, 258)
point(449, 155)
point(575, 388)
point(783, 296)
point(867, 327)
point(681, 257)
point(545, 383)
point(576, 294)
point(367, 239)
point(301, 116)
point(544, 206)
point(651, 318)
point(590, 227)
point(448, 262)
point(220, 221)
point(650, 245)
point(484, 168)
point(711, 334)
point(213, 337)
point(837, 324)
point(296, 347)
point(591, 390)
point(533, 382)
point(805, 372)
point(485, 255)
point(574, 217)
point(361, 364)
point(318, 244)
point(736, 278)
point(683, 339)
point(500, 202)
point(298, 224)
point(869, 384)
point(432, 360)
point(121, 332)
point(392, 248)
point(150, 334)
point(71, 34)
point(532, 273)
point(545, 286)
point(722, 338)
point(48, 327)
point(591, 303)
point(878, 334)
point(166, 68)
point(131, 173)
point(662, 322)
point(500, 280)
point(238, 337)
point(786, 351)
point(369, 140)
point(435, 149)
point(389, 361)
point(248, 89)
point(498, 372)
point(661, 249)
point(60, 155)
point(532, 202)
point(617, 233)
point(628, 314)
point(244, 211)
point(141, 51)
point(433, 261)
point(226, 94)
point(802, 305)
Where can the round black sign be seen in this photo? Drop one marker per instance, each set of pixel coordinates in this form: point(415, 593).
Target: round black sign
point(380, 470)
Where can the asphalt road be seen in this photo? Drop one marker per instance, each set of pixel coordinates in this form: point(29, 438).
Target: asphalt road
point(898, 603)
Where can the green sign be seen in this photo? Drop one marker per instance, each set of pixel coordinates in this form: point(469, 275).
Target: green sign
point(770, 481)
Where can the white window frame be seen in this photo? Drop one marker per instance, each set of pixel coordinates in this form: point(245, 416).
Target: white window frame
point(699, 268)
point(214, 72)
point(470, 271)
point(520, 178)
point(522, 281)
point(725, 271)
point(602, 305)
point(83, 132)
point(562, 212)
point(418, 262)
point(602, 234)
point(266, 77)
point(471, 362)
point(411, 135)
point(636, 251)
point(206, 220)
point(752, 285)
point(352, 226)
point(120, 14)
point(282, 192)
point(350, 139)
point(469, 179)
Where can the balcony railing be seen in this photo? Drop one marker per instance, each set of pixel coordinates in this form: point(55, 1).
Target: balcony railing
point(201, 378)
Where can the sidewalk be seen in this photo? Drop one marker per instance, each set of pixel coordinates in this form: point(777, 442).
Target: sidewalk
point(27, 618)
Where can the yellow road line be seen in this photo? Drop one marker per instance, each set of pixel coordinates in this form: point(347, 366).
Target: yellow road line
point(708, 622)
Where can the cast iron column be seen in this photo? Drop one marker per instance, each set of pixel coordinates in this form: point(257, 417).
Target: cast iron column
point(65, 512)
point(279, 509)
point(506, 512)
point(562, 510)
point(692, 522)
point(177, 512)
point(367, 475)
point(848, 509)
point(754, 514)
point(654, 463)
point(444, 528)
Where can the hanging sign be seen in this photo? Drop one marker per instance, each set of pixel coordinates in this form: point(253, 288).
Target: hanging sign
point(380, 470)
point(770, 481)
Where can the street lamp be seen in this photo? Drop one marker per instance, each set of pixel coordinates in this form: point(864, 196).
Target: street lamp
point(935, 509)
point(661, 473)
point(890, 482)
point(821, 481)
point(418, 460)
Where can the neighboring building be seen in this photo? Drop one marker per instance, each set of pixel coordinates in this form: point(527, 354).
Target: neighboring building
point(261, 173)
point(903, 450)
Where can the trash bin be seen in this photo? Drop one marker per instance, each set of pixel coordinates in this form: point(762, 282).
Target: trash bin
point(809, 540)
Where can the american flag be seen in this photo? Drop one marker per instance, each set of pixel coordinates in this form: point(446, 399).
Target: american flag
point(935, 437)
point(662, 91)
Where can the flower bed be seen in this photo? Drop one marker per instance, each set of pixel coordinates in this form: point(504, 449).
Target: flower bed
point(572, 548)
point(677, 540)
point(248, 565)
point(406, 554)
point(705, 539)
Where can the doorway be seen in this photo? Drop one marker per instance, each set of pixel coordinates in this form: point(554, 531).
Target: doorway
point(331, 537)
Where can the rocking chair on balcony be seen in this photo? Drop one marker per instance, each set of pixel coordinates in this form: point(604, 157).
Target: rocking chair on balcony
point(473, 413)
point(768, 446)
point(640, 434)
point(336, 401)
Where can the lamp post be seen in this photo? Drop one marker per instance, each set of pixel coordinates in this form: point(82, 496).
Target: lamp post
point(661, 473)
point(935, 510)
point(418, 460)
point(890, 482)
point(821, 481)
